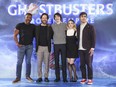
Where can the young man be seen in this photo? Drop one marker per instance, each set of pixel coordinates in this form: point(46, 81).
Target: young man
point(59, 38)
point(25, 31)
point(86, 34)
point(44, 34)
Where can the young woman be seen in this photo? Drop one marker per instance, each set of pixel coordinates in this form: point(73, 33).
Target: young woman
point(72, 49)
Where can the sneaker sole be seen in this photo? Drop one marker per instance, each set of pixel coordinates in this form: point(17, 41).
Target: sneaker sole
point(30, 81)
point(89, 83)
point(82, 82)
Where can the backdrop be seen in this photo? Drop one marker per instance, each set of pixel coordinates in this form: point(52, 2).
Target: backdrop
point(101, 13)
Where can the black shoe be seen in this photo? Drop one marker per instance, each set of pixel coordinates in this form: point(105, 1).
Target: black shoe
point(65, 80)
point(56, 80)
point(16, 80)
point(39, 80)
point(75, 79)
point(46, 80)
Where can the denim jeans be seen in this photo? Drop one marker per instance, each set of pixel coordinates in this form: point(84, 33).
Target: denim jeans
point(24, 51)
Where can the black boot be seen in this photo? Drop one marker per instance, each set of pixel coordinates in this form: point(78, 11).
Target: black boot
point(75, 74)
point(70, 72)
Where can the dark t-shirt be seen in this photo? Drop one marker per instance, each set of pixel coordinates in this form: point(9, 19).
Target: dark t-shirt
point(26, 33)
point(43, 36)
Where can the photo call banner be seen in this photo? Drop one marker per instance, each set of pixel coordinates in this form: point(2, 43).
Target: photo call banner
point(101, 13)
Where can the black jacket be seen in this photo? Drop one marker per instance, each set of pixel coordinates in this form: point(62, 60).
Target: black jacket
point(89, 36)
point(49, 36)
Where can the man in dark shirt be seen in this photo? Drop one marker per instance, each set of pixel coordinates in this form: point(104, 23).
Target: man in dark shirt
point(26, 32)
point(44, 35)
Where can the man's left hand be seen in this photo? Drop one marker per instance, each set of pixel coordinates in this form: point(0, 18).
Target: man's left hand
point(91, 52)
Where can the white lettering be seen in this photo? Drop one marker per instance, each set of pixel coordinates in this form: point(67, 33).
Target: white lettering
point(58, 8)
point(42, 9)
point(75, 9)
point(91, 9)
point(109, 9)
point(12, 10)
point(67, 9)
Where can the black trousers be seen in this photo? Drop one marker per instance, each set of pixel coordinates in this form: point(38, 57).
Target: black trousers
point(86, 64)
point(60, 48)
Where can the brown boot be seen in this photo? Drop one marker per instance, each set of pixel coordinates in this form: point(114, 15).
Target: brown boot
point(16, 80)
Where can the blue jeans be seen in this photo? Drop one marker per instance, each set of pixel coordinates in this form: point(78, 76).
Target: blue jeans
point(24, 51)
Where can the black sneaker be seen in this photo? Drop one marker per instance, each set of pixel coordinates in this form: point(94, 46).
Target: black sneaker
point(16, 80)
point(65, 80)
point(39, 80)
point(56, 80)
point(46, 80)
point(29, 79)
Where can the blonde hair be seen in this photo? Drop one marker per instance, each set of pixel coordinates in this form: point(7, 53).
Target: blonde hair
point(74, 27)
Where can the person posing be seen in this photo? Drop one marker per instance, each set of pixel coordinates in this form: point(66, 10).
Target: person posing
point(72, 49)
point(87, 39)
point(59, 39)
point(25, 31)
point(44, 35)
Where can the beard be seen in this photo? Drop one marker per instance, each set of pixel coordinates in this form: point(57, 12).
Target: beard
point(44, 22)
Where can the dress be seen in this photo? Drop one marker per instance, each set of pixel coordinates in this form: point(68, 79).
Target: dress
point(71, 45)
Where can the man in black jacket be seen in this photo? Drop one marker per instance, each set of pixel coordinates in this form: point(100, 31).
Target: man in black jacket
point(86, 35)
point(43, 36)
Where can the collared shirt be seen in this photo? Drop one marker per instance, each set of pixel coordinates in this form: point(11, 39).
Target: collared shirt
point(82, 26)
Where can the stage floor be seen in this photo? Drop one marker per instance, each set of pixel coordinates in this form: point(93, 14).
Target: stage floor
point(97, 83)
